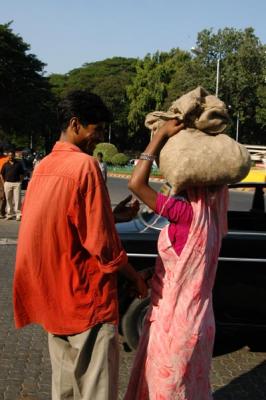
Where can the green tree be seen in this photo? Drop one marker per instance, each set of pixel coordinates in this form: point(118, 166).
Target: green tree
point(242, 75)
point(26, 101)
point(119, 159)
point(150, 88)
point(108, 150)
point(108, 79)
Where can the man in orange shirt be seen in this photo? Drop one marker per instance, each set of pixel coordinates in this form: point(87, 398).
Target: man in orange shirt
point(3, 160)
point(68, 256)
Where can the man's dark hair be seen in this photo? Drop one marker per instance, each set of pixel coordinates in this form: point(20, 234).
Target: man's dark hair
point(86, 106)
point(100, 154)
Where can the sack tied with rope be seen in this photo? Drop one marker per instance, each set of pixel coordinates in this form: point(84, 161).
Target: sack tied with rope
point(201, 154)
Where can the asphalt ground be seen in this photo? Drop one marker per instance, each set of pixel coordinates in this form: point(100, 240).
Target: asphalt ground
point(238, 372)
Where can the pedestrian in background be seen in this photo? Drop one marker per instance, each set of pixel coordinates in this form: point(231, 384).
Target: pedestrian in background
point(12, 173)
point(68, 256)
point(102, 165)
point(3, 160)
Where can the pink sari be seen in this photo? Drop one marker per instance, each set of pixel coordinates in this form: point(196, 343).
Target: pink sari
point(174, 354)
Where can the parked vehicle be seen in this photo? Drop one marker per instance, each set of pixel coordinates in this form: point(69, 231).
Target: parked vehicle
point(134, 162)
point(239, 294)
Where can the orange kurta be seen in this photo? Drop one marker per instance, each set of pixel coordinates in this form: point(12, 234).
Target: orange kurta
point(68, 248)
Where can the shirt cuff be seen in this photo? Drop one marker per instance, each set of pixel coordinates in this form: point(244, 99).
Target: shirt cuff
point(114, 265)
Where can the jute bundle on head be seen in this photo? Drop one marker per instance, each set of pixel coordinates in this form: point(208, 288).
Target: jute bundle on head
point(200, 154)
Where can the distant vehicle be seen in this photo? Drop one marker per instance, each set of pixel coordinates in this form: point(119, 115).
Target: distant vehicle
point(239, 294)
point(134, 162)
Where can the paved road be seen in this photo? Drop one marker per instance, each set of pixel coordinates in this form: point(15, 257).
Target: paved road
point(239, 200)
point(237, 372)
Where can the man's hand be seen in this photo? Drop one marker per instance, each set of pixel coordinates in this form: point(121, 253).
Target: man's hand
point(137, 282)
point(124, 212)
point(141, 287)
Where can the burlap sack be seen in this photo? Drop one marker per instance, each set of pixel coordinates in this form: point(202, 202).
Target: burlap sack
point(192, 158)
point(197, 109)
point(199, 155)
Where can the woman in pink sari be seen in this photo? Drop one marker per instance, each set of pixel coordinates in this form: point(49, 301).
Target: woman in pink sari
point(174, 354)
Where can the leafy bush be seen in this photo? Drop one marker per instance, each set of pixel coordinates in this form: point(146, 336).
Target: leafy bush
point(119, 159)
point(108, 150)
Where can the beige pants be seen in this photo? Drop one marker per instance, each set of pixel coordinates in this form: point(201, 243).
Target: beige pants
point(13, 198)
point(2, 200)
point(85, 366)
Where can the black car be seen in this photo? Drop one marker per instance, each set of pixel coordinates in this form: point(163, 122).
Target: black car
point(239, 294)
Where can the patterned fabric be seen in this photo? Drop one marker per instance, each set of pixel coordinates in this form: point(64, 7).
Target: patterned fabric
point(174, 354)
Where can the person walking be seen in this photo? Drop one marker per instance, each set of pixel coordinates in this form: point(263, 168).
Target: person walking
point(12, 173)
point(102, 165)
point(69, 254)
point(3, 160)
point(174, 354)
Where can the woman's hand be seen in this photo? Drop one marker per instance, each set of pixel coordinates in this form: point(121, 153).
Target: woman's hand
point(139, 181)
point(170, 128)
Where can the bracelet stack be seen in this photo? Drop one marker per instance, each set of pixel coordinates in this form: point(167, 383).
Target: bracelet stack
point(148, 157)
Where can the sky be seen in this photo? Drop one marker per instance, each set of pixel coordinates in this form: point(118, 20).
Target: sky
point(66, 34)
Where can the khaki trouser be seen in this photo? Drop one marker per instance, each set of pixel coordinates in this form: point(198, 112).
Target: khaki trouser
point(85, 366)
point(13, 198)
point(2, 200)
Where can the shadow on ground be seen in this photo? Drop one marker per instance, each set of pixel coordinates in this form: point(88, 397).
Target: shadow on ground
point(241, 387)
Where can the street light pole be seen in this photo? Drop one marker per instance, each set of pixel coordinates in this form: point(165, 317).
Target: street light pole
point(110, 132)
point(197, 51)
point(237, 126)
point(217, 76)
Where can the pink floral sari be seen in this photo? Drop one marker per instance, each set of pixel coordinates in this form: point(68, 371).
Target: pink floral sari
point(174, 355)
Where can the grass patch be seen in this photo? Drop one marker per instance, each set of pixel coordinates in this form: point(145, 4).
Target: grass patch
point(127, 170)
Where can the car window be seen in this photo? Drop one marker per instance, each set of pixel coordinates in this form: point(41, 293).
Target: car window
point(242, 199)
point(152, 220)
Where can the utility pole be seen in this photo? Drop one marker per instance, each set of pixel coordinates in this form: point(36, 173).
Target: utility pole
point(110, 132)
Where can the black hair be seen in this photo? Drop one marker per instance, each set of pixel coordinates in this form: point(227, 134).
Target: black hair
point(86, 106)
point(100, 154)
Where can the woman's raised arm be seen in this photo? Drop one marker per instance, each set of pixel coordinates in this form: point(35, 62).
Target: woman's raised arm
point(139, 181)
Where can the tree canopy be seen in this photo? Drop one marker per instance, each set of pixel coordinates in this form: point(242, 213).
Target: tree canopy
point(131, 88)
point(162, 78)
point(25, 94)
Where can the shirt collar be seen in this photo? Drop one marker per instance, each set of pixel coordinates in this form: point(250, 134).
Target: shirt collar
point(66, 146)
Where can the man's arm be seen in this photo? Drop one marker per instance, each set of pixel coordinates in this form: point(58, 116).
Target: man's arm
point(137, 280)
point(22, 172)
point(3, 172)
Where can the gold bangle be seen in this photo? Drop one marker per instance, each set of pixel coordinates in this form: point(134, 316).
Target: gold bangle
point(147, 157)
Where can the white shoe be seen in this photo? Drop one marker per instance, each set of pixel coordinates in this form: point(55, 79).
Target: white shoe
point(9, 217)
point(18, 218)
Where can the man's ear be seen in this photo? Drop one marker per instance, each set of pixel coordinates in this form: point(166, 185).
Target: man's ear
point(74, 125)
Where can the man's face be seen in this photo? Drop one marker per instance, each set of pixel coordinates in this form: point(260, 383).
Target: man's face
point(89, 136)
point(11, 156)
